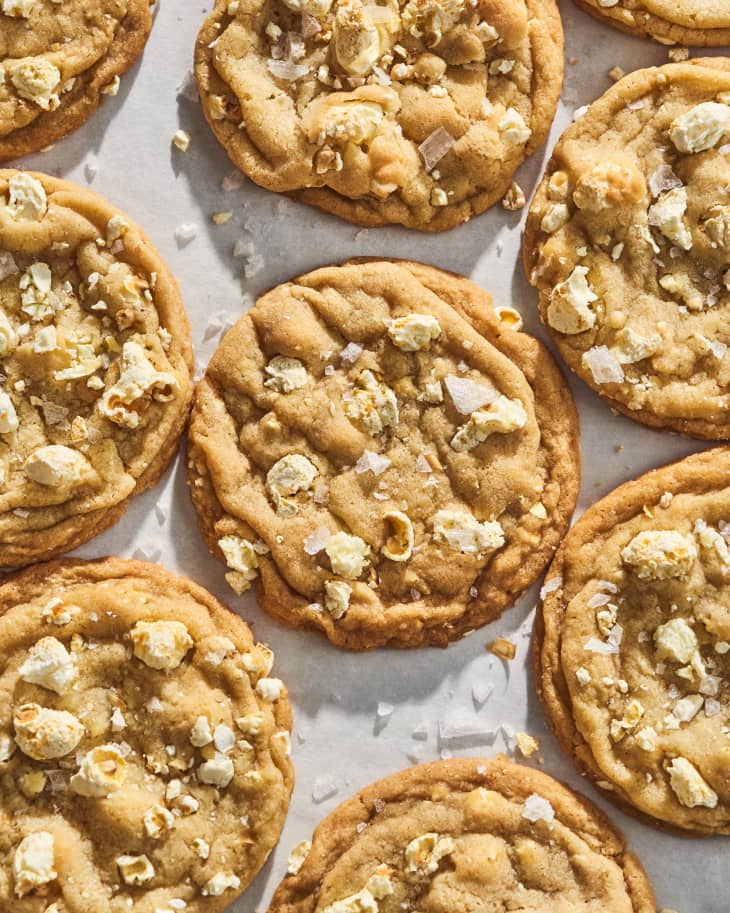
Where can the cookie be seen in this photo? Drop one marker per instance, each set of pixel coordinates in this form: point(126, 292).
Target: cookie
point(383, 455)
point(144, 745)
point(96, 365)
point(412, 112)
point(58, 63)
point(691, 22)
point(465, 834)
point(628, 242)
point(631, 644)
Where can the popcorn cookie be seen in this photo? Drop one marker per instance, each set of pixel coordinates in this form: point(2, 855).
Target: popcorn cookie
point(465, 834)
point(96, 365)
point(415, 112)
point(58, 61)
point(692, 22)
point(628, 242)
point(144, 744)
point(378, 449)
point(631, 644)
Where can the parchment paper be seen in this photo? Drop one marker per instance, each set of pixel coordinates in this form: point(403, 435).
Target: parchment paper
point(338, 743)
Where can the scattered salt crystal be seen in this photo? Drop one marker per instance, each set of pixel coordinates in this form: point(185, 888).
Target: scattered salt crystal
point(378, 805)
point(160, 514)
point(435, 147)
point(254, 265)
point(663, 179)
point(420, 732)
point(712, 707)
point(718, 348)
point(324, 788)
point(550, 586)
point(154, 705)
point(464, 730)
point(234, 180)
point(185, 233)
point(598, 600)
point(316, 541)
point(422, 464)
point(467, 395)
point(538, 809)
point(384, 711)
point(372, 462)
point(287, 69)
point(310, 25)
point(315, 607)
point(91, 169)
point(147, 552)
point(243, 248)
point(594, 645)
point(361, 826)
point(188, 88)
point(579, 112)
point(603, 365)
point(481, 692)
point(350, 354)
point(607, 586)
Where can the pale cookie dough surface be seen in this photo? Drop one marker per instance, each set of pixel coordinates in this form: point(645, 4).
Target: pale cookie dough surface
point(468, 835)
point(692, 22)
point(58, 60)
point(144, 745)
point(632, 644)
point(356, 488)
point(407, 111)
point(96, 365)
point(628, 242)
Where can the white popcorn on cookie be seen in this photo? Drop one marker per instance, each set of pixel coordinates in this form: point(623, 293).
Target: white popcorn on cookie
point(46, 340)
point(712, 541)
point(513, 128)
point(372, 404)
point(569, 310)
point(220, 883)
point(135, 870)
point(337, 595)
point(269, 688)
point(501, 416)
point(161, 645)
point(19, 9)
point(217, 772)
point(647, 738)
point(285, 374)
point(660, 554)
point(348, 555)
point(700, 128)
point(414, 331)
point(8, 416)
point(50, 665)
point(632, 346)
point(201, 733)
point(556, 215)
point(358, 40)
point(287, 477)
point(33, 863)
point(298, 856)
point(675, 640)
point(667, 214)
point(138, 379)
point(242, 558)
point(43, 734)
point(430, 20)
point(37, 298)
point(157, 820)
point(424, 853)
point(377, 887)
point(399, 536)
point(102, 771)
point(57, 466)
point(27, 198)
point(462, 532)
point(689, 786)
point(36, 79)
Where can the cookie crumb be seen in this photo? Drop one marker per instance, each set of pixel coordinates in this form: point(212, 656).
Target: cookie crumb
point(182, 140)
point(514, 199)
point(528, 745)
point(503, 648)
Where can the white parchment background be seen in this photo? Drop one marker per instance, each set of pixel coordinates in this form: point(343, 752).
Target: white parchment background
point(335, 694)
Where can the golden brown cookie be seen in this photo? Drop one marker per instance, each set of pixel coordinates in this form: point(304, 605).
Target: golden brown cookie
point(59, 59)
point(385, 457)
point(144, 746)
point(628, 242)
point(96, 365)
point(692, 22)
point(465, 834)
point(632, 640)
point(415, 112)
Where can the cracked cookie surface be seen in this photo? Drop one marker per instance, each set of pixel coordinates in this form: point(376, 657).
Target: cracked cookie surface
point(691, 22)
point(96, 365)
point(58, 60)
point(632, 641)
point(415, 112)
point(144, 745)
point(469, 835)
point(383, 455)
point(628, 243)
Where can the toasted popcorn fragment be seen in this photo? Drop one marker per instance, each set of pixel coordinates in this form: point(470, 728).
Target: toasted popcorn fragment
point(138, 383)
point(501, 416)
point(57, 466)
point(43, 734)
point(102, 771)
point(424, 853)
point(667, 214)
point(689, 786)
point(349, 555)
point(285, 374)
point(220, 883)
point(700, 128)
point(660, 554)
point(414, 332)
point(372, 404)
point(50, 665)
point(513, 128)
point(27, 197)
point(337, 595)
point(462, 532)
point(36, 79)
point(298, 856)
point(33, 863)
point(161, 645)
point(135, 870)
point(242, 558)
point(399, 536)
point(217, 772)
point(569, 309)
point(157, 820)
point(269, 688)
point(503, 648)
point(287, 477)
point(608, 184)
point(675, 640)
point(527, 744)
